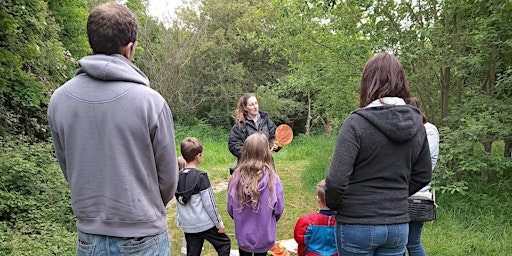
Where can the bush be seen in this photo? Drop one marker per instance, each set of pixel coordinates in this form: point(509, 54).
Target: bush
point(34, 196)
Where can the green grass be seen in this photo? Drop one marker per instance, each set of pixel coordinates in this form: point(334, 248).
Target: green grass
point(298, 173)
point(479, 223)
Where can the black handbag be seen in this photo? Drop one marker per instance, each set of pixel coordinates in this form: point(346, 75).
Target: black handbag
point(422, 209)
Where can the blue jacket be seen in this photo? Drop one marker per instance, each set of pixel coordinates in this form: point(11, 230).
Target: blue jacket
point(314, 234)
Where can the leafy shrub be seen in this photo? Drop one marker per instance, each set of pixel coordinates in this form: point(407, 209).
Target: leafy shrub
point(32, 188)
point(471, 148)
point(201, 130)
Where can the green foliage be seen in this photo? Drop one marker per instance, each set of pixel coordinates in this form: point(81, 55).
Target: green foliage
point(308, 148)
point(32, 186)
point(71, 16)
point(202, 131)
point(32, 62)
point(463, 155)
point(207, 59)
point(325, 52)
point(35, 210)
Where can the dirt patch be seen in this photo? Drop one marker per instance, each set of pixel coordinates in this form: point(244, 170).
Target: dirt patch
point(221, 186)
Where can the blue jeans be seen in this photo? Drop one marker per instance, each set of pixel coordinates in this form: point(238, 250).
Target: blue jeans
point(414, 246)
point(89, 245)
point(371, 239)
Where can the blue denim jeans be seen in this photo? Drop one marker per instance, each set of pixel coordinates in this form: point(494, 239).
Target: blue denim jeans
point(89, 245)
point(371, 240)
point(414, 246)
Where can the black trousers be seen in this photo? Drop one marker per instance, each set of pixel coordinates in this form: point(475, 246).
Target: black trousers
point(220, 242)
point(244, 253)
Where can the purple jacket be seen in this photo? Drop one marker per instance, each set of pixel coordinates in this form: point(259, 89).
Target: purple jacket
point(255, 231)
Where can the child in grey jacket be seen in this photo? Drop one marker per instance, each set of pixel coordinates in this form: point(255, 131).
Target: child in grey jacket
point(197, 212)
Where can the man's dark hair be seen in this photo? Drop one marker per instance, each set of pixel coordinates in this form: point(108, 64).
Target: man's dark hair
point(110, 27)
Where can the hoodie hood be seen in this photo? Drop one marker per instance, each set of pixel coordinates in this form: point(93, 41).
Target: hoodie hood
point(398, 122)
point(113, 67)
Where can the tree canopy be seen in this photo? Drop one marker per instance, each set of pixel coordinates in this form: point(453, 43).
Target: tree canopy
point(303, 59)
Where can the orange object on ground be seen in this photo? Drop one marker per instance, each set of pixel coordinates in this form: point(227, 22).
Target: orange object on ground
point(279, 250)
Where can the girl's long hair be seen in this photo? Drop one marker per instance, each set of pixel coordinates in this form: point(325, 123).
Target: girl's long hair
point(256, 159)
point(240, 108)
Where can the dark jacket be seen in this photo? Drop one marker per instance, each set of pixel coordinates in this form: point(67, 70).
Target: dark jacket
point(241, 131)
point(381, 157)
point(199, 211)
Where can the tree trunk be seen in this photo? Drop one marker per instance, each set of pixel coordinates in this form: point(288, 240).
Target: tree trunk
point(445, 91)
point(308, 120)
point(508, 148)
point(484, 175)
point(327, 126)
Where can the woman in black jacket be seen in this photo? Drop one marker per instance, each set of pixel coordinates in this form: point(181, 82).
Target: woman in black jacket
point(249, 119)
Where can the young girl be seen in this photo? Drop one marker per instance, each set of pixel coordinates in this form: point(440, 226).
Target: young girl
point(255, 198)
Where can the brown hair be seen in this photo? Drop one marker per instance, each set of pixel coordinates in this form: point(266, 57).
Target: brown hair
point(256, 157)
point(240, 108)
point(320, 190)
point(110, 27)
point(383, 76)
point(413, 101)
point(190, 147)
point(181, 163)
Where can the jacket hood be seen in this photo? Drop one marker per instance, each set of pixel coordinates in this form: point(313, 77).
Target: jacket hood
point(399, 122)
point(113, 67)
point(262, 185)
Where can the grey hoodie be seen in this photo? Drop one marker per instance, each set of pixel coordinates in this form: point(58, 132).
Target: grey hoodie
point(114, 139)
point(381, 157)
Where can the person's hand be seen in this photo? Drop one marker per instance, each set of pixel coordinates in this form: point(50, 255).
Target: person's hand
point(222, 230)
point(274, 147)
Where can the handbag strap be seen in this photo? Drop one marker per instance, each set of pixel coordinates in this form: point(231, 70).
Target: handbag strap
point(433, 191)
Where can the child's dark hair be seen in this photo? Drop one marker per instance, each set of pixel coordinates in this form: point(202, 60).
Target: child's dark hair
point(190, 147)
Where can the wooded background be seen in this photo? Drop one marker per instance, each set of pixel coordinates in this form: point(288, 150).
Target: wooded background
point(303, 59)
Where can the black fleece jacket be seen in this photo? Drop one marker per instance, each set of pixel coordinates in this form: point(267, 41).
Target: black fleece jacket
point(381, 157)
point(240, 132)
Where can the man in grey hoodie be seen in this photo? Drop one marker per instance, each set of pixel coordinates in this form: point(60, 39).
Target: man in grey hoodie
point(114, 140)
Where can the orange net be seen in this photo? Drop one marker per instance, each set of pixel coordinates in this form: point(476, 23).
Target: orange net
point(284, 135)
point(278, 250)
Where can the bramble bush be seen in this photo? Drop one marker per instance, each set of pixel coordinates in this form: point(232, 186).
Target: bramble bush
point(35, 200)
